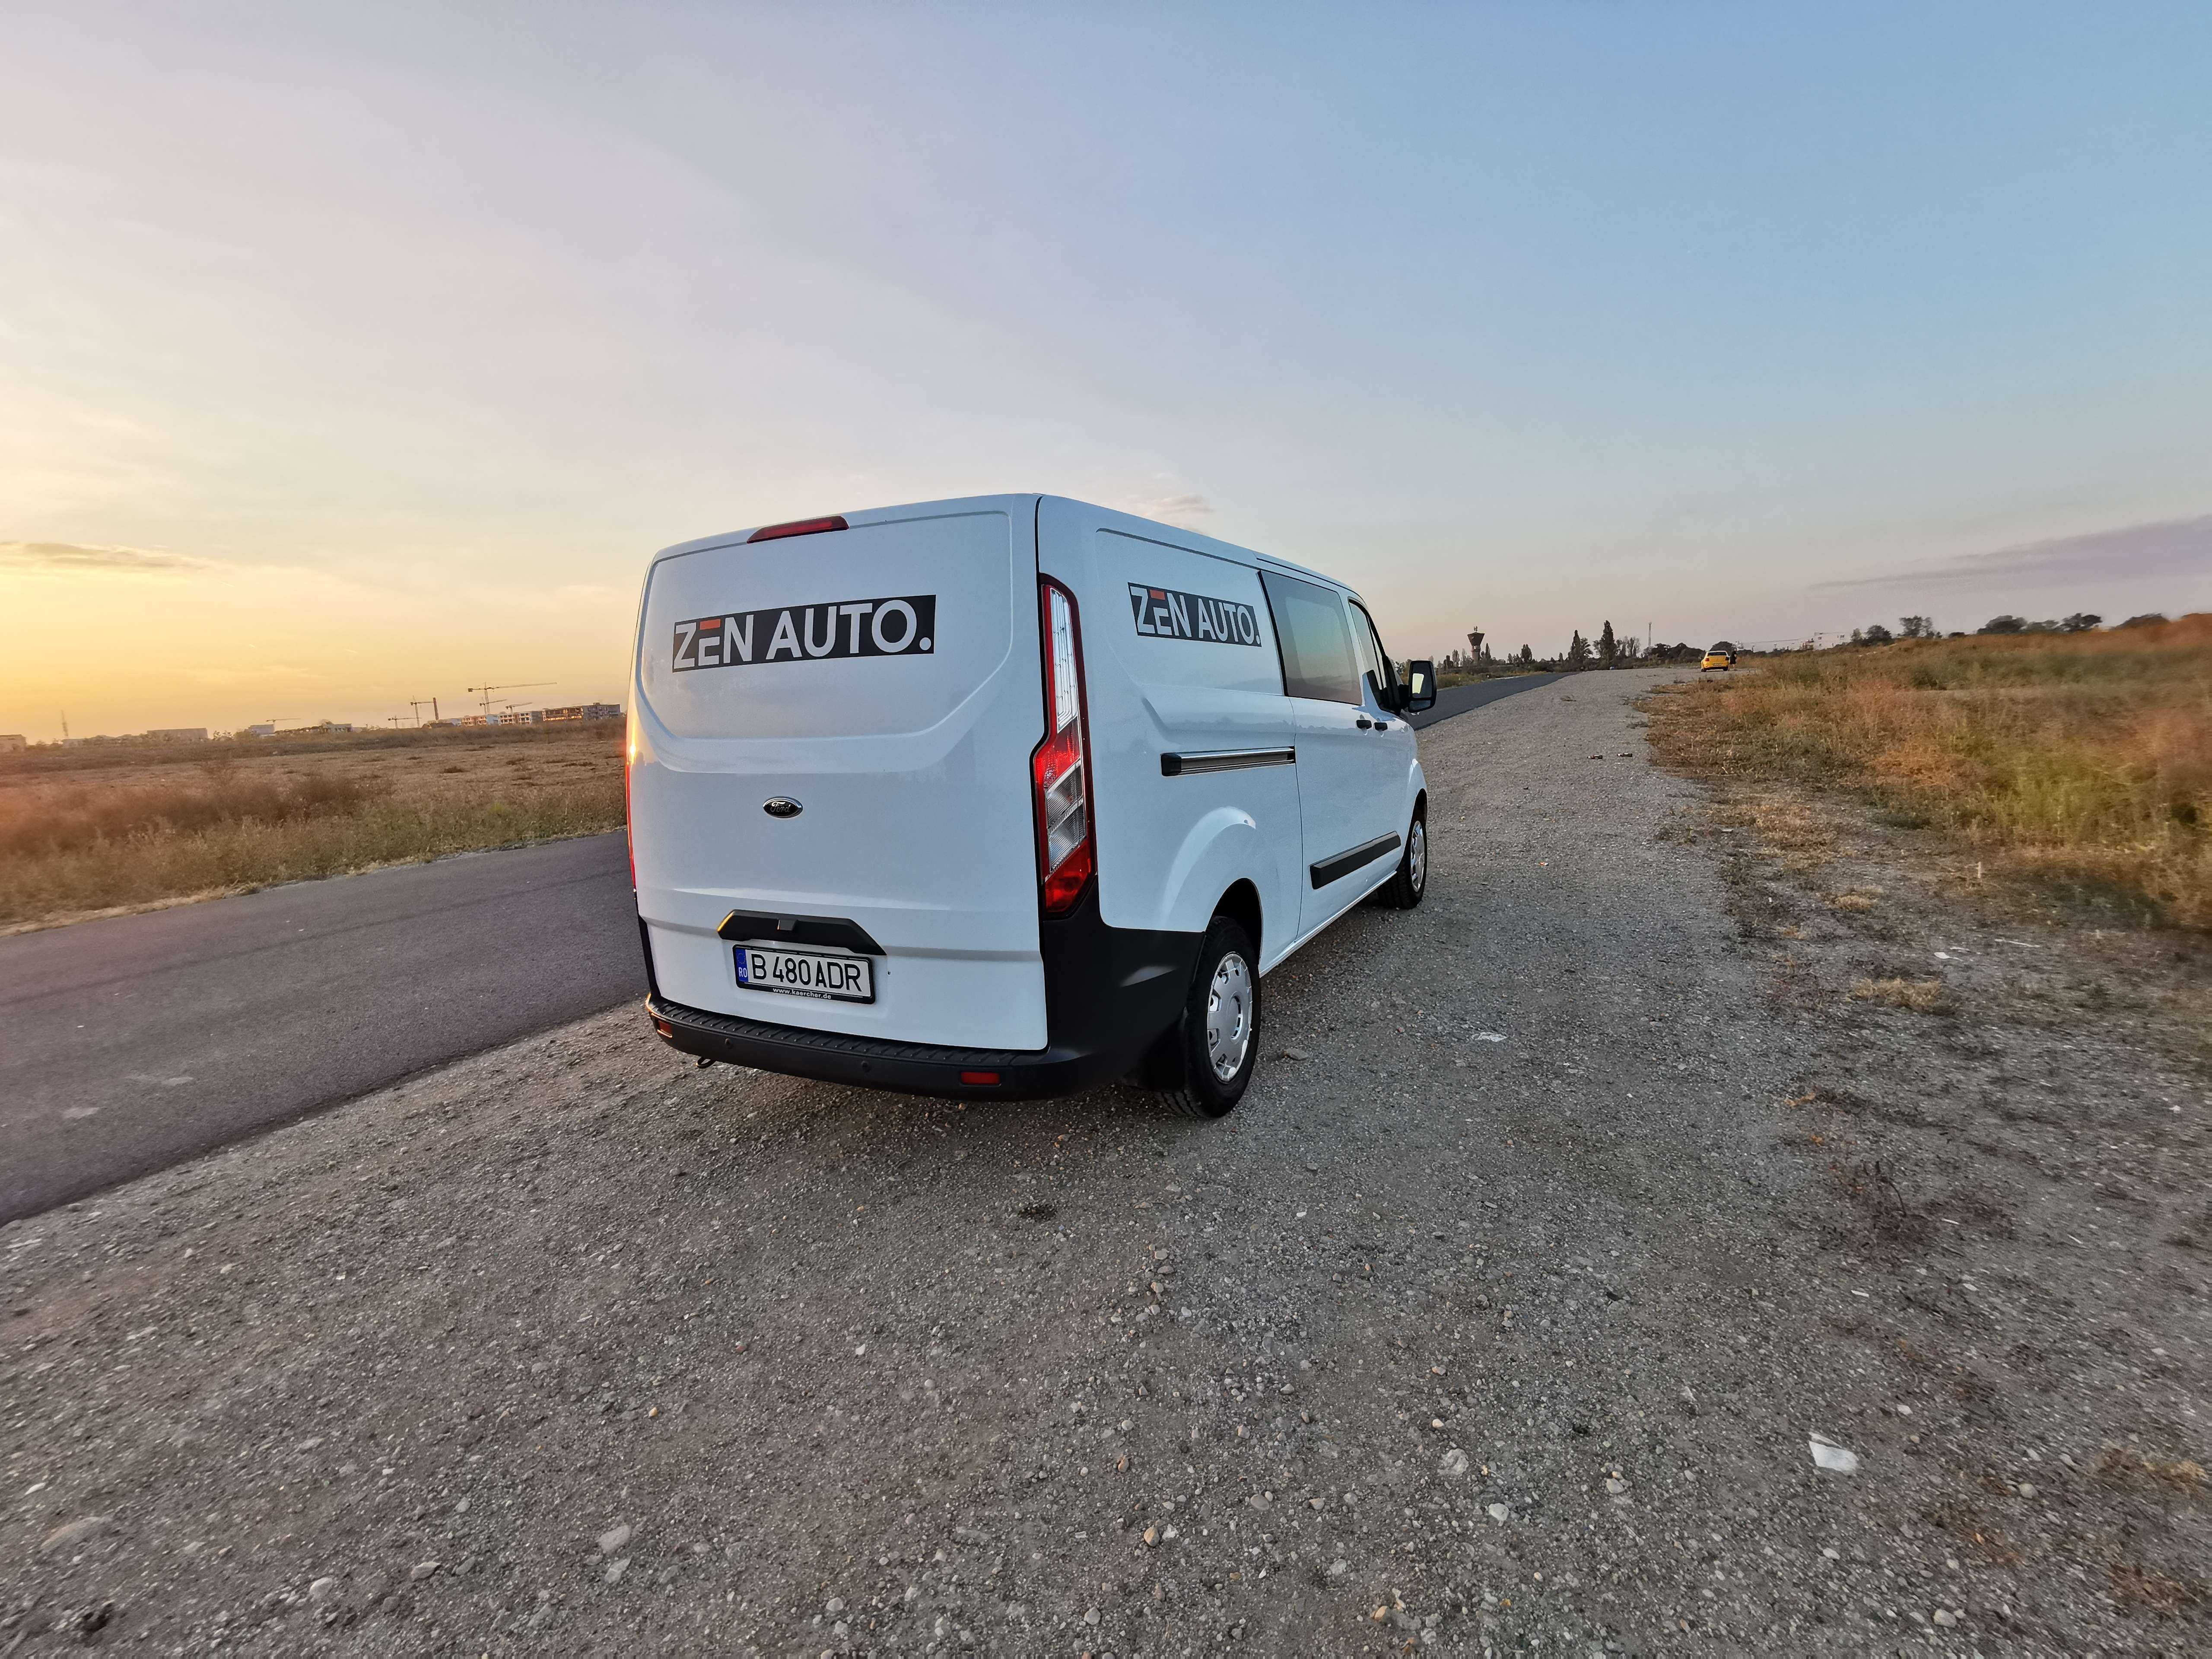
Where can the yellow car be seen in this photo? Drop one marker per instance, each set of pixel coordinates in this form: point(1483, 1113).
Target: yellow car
point(1719, 658)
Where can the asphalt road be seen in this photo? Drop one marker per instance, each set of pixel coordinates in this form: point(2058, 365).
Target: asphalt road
point(138, 1041)
point(1459, 699)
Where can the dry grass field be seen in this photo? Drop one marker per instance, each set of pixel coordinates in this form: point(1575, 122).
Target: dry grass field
point(2082, 761)
point(93, 832)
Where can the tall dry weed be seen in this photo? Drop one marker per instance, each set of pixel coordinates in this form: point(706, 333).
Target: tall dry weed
point(2082, 758)
point(67, 851)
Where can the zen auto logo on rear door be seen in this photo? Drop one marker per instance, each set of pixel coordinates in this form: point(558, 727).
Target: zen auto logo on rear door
point(1162, 613)
point(904, 627)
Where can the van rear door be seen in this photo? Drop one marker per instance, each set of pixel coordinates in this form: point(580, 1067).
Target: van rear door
point(882, 680)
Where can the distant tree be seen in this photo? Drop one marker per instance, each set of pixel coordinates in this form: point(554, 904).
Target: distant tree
point(1915, 627)
point(1608, 649)
point(1578, 653)
point(1876, 635)
point(1859, 636)
point(2082, 622)
point(2149, 619)
point(1528, 658)
point(1631, 648)
point(2005, 624)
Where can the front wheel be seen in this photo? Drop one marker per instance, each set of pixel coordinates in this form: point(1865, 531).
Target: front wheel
point(1203, 1063)
point(1404, 889)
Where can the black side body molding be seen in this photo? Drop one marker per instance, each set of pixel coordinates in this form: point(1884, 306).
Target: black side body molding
point(1225, 760)
point(1344, 864)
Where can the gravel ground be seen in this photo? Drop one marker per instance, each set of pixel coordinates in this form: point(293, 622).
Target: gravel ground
point(1566, 1213)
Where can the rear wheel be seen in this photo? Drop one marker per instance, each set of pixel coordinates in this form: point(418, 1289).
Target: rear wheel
point(1404, 889)
point(1203, 1064)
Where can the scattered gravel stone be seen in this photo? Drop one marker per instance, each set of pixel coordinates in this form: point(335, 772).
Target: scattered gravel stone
point(1453, 1464)
point(614, 1538)
point(73, 1533)
point(422, 1570)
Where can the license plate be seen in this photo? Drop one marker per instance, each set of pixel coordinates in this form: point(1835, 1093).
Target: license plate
point(806, 974)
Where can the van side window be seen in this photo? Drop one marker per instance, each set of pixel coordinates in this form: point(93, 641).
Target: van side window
point(1373, 658)
point(1317, 659)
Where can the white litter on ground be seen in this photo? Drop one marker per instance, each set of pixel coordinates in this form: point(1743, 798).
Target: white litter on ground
point(1834, 1458)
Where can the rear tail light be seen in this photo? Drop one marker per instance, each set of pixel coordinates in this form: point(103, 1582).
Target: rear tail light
point(981, 1079)
point(1061, 766)
point(798, 527)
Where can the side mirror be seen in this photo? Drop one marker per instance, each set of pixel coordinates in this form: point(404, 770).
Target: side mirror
point(1419, 692)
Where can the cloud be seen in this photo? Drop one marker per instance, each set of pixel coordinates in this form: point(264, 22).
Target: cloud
point(1185, 510)
point(2175, 547)
point(69, 555)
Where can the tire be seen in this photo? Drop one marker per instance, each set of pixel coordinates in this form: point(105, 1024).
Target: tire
point(1404, 889)
point(1220, 1021)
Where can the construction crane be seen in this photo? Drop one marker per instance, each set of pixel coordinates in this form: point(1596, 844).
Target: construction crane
point(513, 685)
point(416, 703)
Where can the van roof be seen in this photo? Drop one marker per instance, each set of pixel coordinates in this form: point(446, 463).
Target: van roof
point(1012, 503)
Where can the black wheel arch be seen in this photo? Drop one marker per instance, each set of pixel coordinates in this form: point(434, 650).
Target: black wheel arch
point(1241, 904)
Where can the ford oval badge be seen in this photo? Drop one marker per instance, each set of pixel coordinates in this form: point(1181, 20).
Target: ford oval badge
point(782, 807)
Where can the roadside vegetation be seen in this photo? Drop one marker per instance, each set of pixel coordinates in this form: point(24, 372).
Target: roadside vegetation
point(1606, 650)
point(2081, 759)
point(149, 827)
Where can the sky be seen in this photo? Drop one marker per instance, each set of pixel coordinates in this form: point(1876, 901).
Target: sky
point(351, 354)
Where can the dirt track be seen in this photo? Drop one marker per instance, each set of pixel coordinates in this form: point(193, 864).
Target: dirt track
point(1567, 1210)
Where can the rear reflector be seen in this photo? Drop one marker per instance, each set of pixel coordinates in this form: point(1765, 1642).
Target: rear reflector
point(979, 1077)
point(664, 1028)
point(798, 527)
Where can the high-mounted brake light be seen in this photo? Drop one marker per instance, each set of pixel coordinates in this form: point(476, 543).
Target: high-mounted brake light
point(798, 527)
point(1066, 854)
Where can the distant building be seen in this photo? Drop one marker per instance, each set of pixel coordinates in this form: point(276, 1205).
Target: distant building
point(463, 720)
point(518, 716)
point(586, 711)
point(265, 729)
point(178, 734)
point(12, 740)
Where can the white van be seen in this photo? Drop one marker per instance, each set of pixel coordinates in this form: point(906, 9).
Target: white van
point(1003, 796)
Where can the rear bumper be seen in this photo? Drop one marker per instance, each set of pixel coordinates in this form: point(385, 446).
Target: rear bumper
point(1109, 992)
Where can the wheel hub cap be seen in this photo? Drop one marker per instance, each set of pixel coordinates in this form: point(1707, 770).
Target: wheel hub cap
point(1228, 1016)
point(1417, 855)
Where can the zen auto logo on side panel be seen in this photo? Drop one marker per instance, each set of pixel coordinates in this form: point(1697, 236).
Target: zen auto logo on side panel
point(903, 627)
point(1162, 613)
